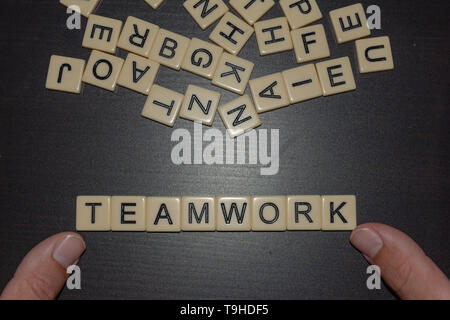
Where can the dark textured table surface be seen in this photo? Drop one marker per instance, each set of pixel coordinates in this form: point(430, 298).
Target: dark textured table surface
point(386, 142)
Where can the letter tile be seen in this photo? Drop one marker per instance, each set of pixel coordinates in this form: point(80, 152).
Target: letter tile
point(374, 54)
point(202, 58)
point(93, 213)
point(138, 36)
point(162, 105)
point(86, 6)
point(233, 73)
point(205, 12)
point(302, 83)
point(304, 212)
point(200, 105)
point(198, 214)
point(310, 43)
point(169, 49)
point(239, 116)
point(251, 10)
point(233, 213)
point(338, 213)
point(103, 70)
point(269, 213)
point(138, 73)
point(300, 12)
point(163, 214)
point(269, 92)
point(336, 76)
point(273, 36)
point(349, 23)
point(102, 33)
point(231, 33)
point(155, 4)
point(64, 74)
point(128, 213)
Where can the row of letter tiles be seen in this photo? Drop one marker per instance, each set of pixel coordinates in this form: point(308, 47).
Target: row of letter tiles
point(86, 6)
point(206, 213)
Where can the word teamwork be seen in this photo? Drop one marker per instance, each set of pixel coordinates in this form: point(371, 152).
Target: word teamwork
point(150, 46)
point(175, 214)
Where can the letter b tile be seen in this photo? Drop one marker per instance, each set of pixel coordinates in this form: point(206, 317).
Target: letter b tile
point(169, 49)
point(162, 105)
point(102, 33)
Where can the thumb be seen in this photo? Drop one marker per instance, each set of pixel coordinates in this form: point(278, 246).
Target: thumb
point(403, 264)
point(42, 273)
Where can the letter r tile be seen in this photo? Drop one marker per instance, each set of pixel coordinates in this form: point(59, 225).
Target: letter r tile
point(138, 36)
point(102, 33)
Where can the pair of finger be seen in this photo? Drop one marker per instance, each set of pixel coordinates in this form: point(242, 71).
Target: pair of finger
point(404, 266)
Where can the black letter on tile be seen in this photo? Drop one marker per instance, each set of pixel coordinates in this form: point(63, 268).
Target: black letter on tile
point(171, 48)
point(169, 107)
point(163, 208)
point(138, 36)
point(61, 70)
point(237, 121)
point(374, 59)
point(304, 212)
point(263, 94)
point(335, 75)
point(102, 32)
point(239, 215)
point(198, 62)
point(136, 76)
point(123, 213)
point(272, 35)
point(234, 70)
point(350, 26)
point(261, 213)
point(306, 43)
point(229, 37)
point(93, 205)
point(194, 98)
point(108, 74)
point(301, 83)
point(249, 4)
point(336, 211)
point(205, 10)
point(299, 4)
point(193, 211)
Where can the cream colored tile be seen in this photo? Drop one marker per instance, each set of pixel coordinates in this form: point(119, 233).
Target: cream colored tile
point(336, 76)
point(200, 105)
point(64, 74)
point(273, 36)
point(205, 12)
point(269, 213)
point(169, 49)
point(86, 6)
point(251, 10)
point(138, 36)
point(338, 212)
point(302, 83)
point(300, 12)
point(231, 33)
point(162, 105)
point(233, 73)
point(239, 116)
point(202, 58)
point(310, 43)
point(128, 213)
point(349, 23)
point(103, 70)
point(374, 54)
point(163, 214)
point(102, 33)
point(304, 212)
point(138, 73)
point(269, 92)
point(93, 213)
point(198, 214)
point(155, 4)
point(233, 213)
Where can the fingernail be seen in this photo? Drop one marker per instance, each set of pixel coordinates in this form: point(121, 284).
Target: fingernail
point(366, 241)
point(68, 250)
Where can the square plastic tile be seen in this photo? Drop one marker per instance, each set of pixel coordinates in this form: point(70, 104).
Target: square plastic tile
point(374, 54)
point(336, 76)
point(202, 58)
point(233, 73)
point(302, 83)
point(310, 43)
point(205, 12)
point(251, 10)
point(200, 105)
point(103, 70)
point(304, 212)
point(102, 33)
point(138, 73)
point(233, 213)
point(138, 36)
point(273, 36)
point(239, 116)
point(86, 6)
point(64, 74)
point(169, 49)
point(349, 23)
point(300, 12)
point(93, 213)
point(269, 92)
point(162, 105)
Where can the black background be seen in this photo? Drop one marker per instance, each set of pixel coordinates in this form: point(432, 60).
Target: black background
point(387, 142)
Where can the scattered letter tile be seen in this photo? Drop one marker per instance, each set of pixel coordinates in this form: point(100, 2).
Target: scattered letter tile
point(349, 23)
point(138, 36)
point(336, 76)
point(269, 92)
point(302, 83)
point(162, 105)
point(154, 3)
point(128, 213)
point(233, 73)
point(239, 116)
point(200, 105)
point(64, 74)
point(374, 54)
point(102, 33)
point(273, 36)
point(86, 6)
point(138, 73)
point(103, 70)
